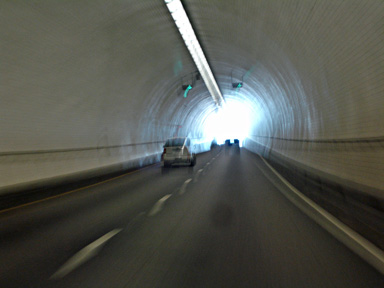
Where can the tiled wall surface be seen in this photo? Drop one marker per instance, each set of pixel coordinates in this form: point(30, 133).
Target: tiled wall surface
point(77, 74)
point(316, 70)
point(357, 162)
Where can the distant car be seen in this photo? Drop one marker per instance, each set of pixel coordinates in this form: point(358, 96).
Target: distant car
point(236, 144)
point(231, 148)
point(178, 151)
point(213, 144)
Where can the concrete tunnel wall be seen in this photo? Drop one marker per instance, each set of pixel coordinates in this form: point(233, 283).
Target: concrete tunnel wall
point(90, 85)
point(86, 85)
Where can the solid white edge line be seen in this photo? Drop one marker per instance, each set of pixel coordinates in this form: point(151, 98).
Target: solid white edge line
point(84, 255)
point(361, 246)
point(159, 205)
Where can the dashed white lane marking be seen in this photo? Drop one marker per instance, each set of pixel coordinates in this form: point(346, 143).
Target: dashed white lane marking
point(159, 205)
point(197, 175)
point(84, 255)
point(184, 186)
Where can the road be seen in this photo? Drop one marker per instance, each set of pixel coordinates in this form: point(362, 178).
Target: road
point(222, 223)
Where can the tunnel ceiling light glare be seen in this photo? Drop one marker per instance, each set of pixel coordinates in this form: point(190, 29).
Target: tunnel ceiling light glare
point(185, 28)
point(232, 122)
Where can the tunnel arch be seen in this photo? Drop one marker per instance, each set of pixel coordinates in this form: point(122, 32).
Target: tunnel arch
point(95, 85)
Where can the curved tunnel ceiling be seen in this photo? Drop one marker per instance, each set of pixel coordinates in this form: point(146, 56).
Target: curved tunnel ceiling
point(85, 74)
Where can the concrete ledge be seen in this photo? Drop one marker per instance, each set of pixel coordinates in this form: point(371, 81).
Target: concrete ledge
point(358, 206)
point(361, 246)
point(17, 194)
point(360, 190)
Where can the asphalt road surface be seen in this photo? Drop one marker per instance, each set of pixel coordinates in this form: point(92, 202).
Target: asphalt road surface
point(222, 223)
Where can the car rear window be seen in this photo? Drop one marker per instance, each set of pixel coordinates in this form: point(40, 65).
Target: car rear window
point(175, 142)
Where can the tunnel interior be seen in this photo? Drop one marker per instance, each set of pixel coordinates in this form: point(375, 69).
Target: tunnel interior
point(99, 85)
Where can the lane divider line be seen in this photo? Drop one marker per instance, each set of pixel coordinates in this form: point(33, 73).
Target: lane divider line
point(135, 220)
point(197, 175)
point(159, 205)
point(75, 190)
point(184, 186)
point(357, 243)
point(84, 255)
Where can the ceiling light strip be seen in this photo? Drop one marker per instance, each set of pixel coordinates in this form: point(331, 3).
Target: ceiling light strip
point(185, 28)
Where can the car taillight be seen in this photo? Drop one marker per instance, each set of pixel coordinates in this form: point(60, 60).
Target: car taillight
point(165, 151)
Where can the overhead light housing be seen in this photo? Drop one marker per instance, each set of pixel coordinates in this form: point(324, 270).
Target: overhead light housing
point(185, 28)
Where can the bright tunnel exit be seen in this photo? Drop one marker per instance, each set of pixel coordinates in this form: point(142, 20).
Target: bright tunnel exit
point(233, 121)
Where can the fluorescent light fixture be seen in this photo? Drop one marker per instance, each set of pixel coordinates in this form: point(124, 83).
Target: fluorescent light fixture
point(185, 28)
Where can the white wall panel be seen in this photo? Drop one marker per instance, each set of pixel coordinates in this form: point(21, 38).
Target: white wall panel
point(88, 74)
